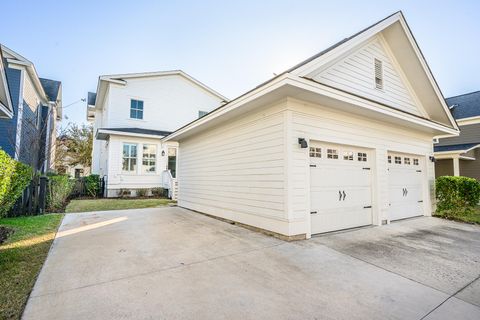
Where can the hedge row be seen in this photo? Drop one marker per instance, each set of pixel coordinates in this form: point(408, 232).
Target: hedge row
point(456, 195)
point(14, 178)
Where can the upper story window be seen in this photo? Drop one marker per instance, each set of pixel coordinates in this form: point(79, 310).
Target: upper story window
point(378, 74)
point(129, 162)
point(202, 113)
point(149, 160)
point(136, 109)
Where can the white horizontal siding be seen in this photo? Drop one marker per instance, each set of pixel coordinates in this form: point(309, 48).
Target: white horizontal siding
point(323, 124)
point(237, 170)
point(355, 73)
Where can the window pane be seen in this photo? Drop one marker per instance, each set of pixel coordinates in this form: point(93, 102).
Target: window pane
point(133, 150)
point(139, 105)
point(125, 164)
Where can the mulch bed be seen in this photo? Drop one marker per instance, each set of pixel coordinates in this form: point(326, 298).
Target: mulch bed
point(4, 233)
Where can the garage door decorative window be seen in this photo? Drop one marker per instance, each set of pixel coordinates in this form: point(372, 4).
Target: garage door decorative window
point(362, 156)
point(315, 152)
point(406, 160)
point(398, 160)
point(389, 159)
point(415, 162)
point(348, 155)
point(332, 154)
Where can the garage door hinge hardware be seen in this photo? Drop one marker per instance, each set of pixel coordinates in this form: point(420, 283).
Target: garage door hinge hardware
point(341, 195)
point(313, 212)
point(313, 165)
point(367, 207)
point(405, 191)
point(366, 168)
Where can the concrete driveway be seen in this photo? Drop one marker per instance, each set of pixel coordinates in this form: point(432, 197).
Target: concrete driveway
point(171, 263)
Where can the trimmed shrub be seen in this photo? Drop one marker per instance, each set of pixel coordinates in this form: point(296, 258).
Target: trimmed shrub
point(456, 195)
point(124, 193)
point(60, 188)
point(7, 167)
point(157, 192)
point(14, 178)
point(92, 185)
point(142, 193)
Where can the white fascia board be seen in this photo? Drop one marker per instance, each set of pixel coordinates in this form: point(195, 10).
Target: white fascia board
point(469, 120)
point(346, 46)
point(6, 111)
point(289, 79)
point(113, 77)
point(234, 104)
point(361, 102)
point(129, 134)
point(32, 72)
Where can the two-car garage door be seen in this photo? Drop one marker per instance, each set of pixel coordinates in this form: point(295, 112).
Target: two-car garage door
point(341, 186)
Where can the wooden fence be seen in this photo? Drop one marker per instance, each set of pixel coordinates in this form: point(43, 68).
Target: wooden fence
point(33, 200)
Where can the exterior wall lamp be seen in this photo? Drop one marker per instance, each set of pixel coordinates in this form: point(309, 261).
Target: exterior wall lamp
point(432, 158)
point(163, 153)
point(303, 143)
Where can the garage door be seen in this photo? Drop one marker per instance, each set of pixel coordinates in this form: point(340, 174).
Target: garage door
point(340, 186)
point(405, 178)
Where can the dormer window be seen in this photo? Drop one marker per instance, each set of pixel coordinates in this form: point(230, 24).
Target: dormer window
point(378, 74)
point(136, 109)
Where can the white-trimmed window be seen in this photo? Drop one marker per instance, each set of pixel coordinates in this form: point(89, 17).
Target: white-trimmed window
point(406, 160)
point(315, 152)
point(332, 153)
point(129, 162)
point(398, 160)
point(415, 161)
point(348, 155)
point(136, 109)
point(149, 158)
point(378, 74)
point(362, 156)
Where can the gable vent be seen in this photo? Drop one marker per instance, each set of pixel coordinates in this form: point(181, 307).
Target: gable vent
point(378, 74)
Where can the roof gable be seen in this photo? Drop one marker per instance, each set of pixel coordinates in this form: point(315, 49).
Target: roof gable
point(398, 41)
point(6, 107)
point(355, 72)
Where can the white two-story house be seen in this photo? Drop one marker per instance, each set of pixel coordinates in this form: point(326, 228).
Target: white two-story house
point(130, 114)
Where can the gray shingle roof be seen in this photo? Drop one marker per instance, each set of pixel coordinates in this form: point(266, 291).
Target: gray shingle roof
point(51, 88)
point(140, 131)
point(456, 147)
point(466, 105)
point(92, 97)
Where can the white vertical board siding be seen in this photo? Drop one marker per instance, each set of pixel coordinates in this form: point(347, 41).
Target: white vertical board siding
point(315, 122)
point(237, 171)
point(355, 73)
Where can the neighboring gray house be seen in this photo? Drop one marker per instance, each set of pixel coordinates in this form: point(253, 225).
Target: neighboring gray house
point(460, 155)
point(30, 107)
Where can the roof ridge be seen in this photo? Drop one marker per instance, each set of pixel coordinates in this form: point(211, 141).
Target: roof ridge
point(463, 94)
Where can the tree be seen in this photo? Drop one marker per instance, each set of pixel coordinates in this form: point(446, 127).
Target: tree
point(74, 146)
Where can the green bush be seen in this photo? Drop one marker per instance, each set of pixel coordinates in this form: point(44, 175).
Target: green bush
point(142, 193)
point(456, 195)
point(14, 178)
point(92, 185)
point(157, 192)
point(59, 189)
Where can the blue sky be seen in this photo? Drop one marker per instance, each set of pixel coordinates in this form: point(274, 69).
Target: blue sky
point(230, 46)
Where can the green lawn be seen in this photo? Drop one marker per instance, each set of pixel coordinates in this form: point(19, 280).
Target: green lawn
point(114, 204)
point(469, 218)
point(21, 258)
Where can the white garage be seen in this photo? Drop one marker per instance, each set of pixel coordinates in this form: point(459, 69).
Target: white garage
point(342, 140)
point(340, 187)
point(405, 185)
